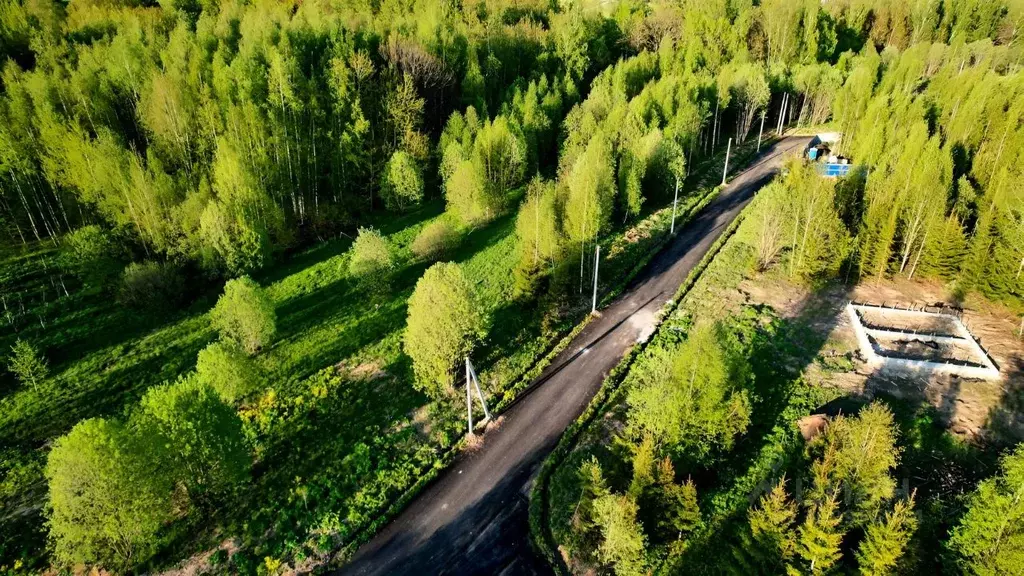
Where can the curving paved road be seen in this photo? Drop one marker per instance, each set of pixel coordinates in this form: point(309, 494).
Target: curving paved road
point(473, 518)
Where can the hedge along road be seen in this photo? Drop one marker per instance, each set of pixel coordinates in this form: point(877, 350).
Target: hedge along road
point(473, 519)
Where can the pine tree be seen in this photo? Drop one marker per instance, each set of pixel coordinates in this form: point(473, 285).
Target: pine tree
point(886, 539)
point(622, 539)
point(586, 532)
point(768, 543)
point(818, 539)
point(989, 539)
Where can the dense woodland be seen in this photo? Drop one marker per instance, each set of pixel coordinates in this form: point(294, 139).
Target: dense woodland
point(305, 164)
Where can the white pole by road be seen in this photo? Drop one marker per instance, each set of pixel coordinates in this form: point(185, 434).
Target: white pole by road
point(479, 394)
point(469, 401)
point(725, 170)
point(597, 260)
point(675, 200)
point(761, 131)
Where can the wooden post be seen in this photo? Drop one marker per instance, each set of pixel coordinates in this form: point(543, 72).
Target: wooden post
point(597, 260)
point(725, 171)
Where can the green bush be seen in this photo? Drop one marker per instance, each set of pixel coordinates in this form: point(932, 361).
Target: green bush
point(444, 323)
point(27, 363)
point(106, 504)
point(201, 435)
point(466, 195)
point(155, 286)
point(436, 240)
point(402, 186)
point(91, 254)
point(244, 315)
point(228, 370)
point(371, 263)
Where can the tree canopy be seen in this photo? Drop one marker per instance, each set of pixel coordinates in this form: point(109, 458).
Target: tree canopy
point(445, 322)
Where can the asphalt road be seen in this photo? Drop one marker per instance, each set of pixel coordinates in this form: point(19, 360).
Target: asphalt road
point(473, 518)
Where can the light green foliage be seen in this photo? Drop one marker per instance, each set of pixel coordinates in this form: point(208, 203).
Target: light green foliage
point(591, 192)
point(402, 185)
point(989, 539)
point(693, 401)
point(856, 458)
point(481, 164)
point(444, 323)
point(586, 530)
point(239, 223)
point(799, 215)
point(622, 539)
point(819, 83)
point(371, 262)
point(91, 254)
point(817, 237)
point(27, 363)
point(538, 234)
point(153, 286)
point(436, 240)
point(675, 503)
point(106, 504)
point(466, 194)
point(643, 466)
point(748, 89)
point(633, 167)
point(772, 539)
point(885, 540)
point(201, 435)
point(244, 315)
point(771, 217)
point(500, 154)
point(818, 539)
point(227, 370)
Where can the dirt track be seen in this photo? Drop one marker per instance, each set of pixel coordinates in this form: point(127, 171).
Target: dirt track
point(473, 518)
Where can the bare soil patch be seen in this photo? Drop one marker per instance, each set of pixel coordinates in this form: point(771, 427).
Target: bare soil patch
point(970, 408)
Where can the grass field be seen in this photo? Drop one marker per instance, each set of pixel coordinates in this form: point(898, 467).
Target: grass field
point(339, 432)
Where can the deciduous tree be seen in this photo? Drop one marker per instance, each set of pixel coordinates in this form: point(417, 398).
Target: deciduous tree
point(106, 503)
point(245, 315)
point(444, 323)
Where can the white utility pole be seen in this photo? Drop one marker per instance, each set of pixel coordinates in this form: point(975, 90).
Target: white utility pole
point(476, 384)
point(725, 170)
point(675, 200)
point(469, 402)
point(782, 117)
point(761, 131)
point(597, 260)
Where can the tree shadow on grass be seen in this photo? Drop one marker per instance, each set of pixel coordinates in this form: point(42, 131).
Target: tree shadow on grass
point(311, 466)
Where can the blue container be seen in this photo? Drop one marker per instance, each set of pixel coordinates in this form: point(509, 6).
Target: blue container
point(812, 153)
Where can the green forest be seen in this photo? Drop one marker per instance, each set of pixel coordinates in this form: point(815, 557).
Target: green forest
point(245, 247)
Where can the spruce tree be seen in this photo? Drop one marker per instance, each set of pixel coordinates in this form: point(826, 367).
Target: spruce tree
point(886, 539)
point(818, 539)
point(990, 539)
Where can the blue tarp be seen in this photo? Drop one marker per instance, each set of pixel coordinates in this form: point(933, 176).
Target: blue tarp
point(834, 169)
